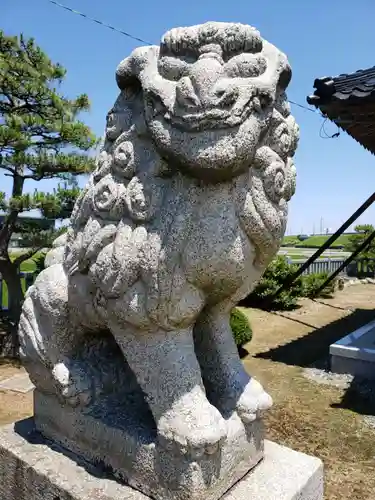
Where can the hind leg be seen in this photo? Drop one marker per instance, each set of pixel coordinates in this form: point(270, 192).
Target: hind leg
point(50, 338)
point(228, 384)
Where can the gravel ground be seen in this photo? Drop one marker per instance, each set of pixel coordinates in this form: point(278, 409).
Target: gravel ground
point(319, 373)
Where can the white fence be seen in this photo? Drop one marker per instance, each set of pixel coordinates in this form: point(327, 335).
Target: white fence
point(360, 268)
point(320, 265)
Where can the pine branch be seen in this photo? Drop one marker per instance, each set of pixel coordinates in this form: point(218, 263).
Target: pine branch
point(41, 137)
point(26, 256)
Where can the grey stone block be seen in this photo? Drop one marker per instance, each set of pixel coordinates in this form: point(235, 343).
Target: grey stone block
point(30, 469)
point(123, 438)
point(284, 474)
point(351, 366)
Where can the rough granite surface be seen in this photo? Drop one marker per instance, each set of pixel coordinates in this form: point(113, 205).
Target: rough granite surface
point(32, 470)
point(186, 207)
point(124, 442)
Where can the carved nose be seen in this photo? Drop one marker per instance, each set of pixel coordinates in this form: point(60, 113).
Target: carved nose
point(198, 88)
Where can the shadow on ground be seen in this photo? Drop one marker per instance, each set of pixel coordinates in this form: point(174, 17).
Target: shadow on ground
point(315, 345)
point(359, 397)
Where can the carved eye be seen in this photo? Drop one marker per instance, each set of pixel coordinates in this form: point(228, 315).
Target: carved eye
point(246, 66)
point(173, 68)
point(261, 102)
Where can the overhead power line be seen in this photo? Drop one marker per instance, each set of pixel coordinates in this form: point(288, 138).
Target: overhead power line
point(138, 39)
point(113, 28)
point(304, 107)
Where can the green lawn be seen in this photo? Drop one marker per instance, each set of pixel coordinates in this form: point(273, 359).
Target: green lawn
point(29, 265)
point(315, 241)
point(26, 267)
point(291, 240)
point(5, 292)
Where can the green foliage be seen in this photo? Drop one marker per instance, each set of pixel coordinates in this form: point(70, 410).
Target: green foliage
point(315, 241)
point(41, 137)
point(275, 275)
point(290, 241)
point(363, 231)
point(240, 327)
point(39, 259)
point(312, 283)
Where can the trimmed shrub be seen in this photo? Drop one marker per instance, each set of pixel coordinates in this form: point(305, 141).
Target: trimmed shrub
point(240, 327)
point(275, 275)
point(312, 283)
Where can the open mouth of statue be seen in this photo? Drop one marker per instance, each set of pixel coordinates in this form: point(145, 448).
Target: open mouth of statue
point(209, 119)
point(205, 119)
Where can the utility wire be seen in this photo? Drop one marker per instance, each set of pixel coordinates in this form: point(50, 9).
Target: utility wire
point(122, 32)
point(133, 37)
point(304, 107)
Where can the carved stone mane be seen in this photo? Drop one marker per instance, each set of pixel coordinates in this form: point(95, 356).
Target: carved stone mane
point(138, 172)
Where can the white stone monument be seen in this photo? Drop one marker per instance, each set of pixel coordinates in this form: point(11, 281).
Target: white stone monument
point(126, 334)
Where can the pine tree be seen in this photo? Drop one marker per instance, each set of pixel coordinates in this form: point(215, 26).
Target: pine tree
point(41, 137)
point(362, 232)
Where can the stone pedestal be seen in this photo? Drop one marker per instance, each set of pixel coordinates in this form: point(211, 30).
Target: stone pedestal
point(120, 435)
point(31, 469)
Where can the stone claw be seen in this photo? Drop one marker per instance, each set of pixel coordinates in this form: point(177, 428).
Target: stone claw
point(74, 387)
point(203, 439)
point(253, 402)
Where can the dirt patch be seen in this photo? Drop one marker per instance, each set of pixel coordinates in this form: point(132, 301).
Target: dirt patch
point(13, 406)
point(325, 421)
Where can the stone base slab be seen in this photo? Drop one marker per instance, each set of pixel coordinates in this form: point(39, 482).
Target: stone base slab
point(120, 435)
point(31, 469)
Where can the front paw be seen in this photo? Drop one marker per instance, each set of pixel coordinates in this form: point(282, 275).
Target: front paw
point(253, 402)
point(74, 385)
point(196, 432)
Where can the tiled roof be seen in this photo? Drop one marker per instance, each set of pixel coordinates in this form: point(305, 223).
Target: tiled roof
point(349, 101)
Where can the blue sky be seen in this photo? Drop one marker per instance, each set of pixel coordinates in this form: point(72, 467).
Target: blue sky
point(320, 38)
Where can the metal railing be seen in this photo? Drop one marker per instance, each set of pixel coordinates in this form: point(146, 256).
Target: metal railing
point(360, 268)
point(319, 266)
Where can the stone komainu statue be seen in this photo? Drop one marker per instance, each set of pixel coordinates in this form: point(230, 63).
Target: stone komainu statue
point(186, 207)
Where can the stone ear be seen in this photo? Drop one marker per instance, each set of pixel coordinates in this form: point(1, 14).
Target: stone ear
point(129, 70)
point(124, 73)
point(126, 77)
point(285, 77)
